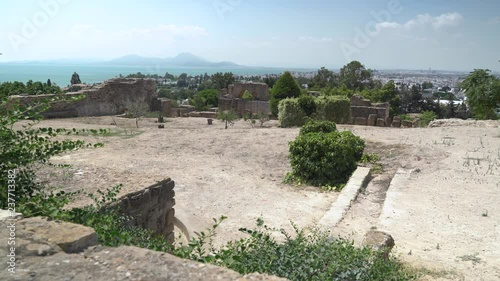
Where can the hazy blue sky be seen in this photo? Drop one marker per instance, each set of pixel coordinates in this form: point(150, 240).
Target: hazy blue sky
point(447, 34)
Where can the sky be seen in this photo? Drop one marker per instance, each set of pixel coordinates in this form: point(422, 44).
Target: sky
point(457, 35)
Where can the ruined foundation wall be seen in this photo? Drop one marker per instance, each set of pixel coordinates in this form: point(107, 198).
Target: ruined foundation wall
point(111, 98)
point(152, 208)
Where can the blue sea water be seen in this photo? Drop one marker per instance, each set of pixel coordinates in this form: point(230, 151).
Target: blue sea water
point(96, 73)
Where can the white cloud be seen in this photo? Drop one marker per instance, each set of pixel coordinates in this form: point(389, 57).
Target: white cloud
point(425, 20)
point(450, 19)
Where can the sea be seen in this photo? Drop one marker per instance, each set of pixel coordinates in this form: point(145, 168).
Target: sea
point(97, 73)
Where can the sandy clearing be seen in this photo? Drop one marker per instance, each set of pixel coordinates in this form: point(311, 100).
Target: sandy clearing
point(238, 173)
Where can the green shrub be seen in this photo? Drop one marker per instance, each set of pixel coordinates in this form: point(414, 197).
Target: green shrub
point(285, 87)
point(306, 254)
point(247, 95)
point(313, 126)
point(426, 117)
point(290, 113)
point(325, 159)
point(334, 108)
point(210, 96)
point(308, 104)
point(22, 148)
point(228, 117)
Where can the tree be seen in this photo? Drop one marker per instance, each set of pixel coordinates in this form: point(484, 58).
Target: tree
point(227, 116)
point(355, 76)
point(223, 80)
point(285, 87)
point(270, 81)
point(323, 78)
point(427, 85)
point(49, 83)
point(75, 79)
point(210, 96)
point(483, 93)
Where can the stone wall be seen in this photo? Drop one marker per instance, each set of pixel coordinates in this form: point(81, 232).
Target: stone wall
point(363, 108)
point(110, 98)
point(152, 208)
point(245, 106)
point(260, 91)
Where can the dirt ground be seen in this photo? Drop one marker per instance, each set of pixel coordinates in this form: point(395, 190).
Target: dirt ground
point(450, 211)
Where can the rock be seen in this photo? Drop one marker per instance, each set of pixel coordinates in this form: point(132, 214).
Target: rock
point(407, 123)
point(70, 237)
point(396, 123)
point(379, 241)
point(372, 119)
point(360, 121)
point(388, 121)
point(161, 126)
point(124, 263)
point(380, 122)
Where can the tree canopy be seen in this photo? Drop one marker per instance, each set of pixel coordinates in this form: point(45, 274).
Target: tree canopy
point(355, 76)
point(75, 79)
point(483, 93)
point(285, 87)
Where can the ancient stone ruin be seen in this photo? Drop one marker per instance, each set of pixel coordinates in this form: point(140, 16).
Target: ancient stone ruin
point(231, 98)
point(110, 98)
point(364, 112)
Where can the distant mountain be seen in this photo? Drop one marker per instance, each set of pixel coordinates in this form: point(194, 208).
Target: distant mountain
point(181, 60)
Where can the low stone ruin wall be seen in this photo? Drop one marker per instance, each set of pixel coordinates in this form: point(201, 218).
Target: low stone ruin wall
point(110, 98)
point(152, 208)
point(243, 107)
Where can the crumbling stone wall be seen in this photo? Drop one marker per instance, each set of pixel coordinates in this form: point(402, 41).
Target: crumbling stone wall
point(245, 106)
point(363, 108)
point(110, 98)
point(152, 208)
point(260, 91)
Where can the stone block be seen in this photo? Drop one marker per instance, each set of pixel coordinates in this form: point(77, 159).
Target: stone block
point(388, 121)
point(407, 123)
point(70, 237)
point(360, 121)
point(396, 123)
point(379, 241)
point(380, 122)
point(372, 119)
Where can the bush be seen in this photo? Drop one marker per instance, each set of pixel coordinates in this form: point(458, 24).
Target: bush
point(285, 87)
point(23, 148)
point(290, 113)
point(325, 159)
point(308, 104)
point(306, 254)
point(334, 108)
point(318, 127)
point(247, 95)
point(426, 117)
point(228, 117)
point(210, 97)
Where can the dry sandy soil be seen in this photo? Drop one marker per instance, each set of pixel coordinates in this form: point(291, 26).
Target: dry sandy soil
point(447, 218)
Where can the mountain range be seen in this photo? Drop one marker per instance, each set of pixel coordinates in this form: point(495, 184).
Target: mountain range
point(181, 60)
